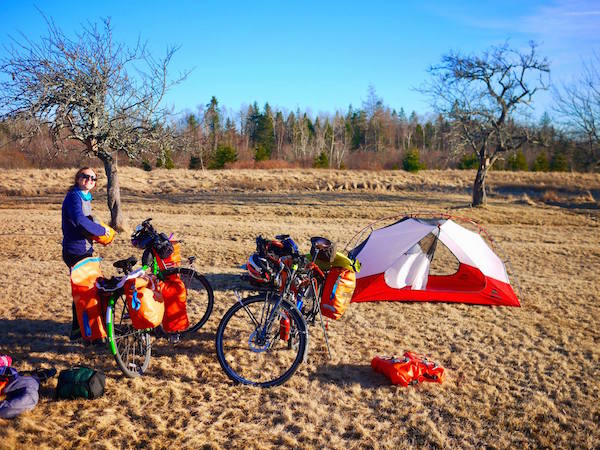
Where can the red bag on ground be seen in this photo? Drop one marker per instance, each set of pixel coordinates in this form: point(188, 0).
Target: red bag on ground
point(175, 295)
point(87, 300)
point(430, 371)
point(412, 368)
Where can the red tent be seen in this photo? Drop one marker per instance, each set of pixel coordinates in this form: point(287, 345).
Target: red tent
point(396, 260)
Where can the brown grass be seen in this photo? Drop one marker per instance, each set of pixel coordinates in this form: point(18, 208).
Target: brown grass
point(516, 377)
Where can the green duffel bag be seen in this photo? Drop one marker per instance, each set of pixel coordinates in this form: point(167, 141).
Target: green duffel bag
point(80, 382)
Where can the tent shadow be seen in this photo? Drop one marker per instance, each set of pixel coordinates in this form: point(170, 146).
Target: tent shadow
point(344, 374)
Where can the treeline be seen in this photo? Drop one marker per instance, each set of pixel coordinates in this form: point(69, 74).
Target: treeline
point(373, 136)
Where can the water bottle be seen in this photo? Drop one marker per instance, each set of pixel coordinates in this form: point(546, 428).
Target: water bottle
point(284, 328)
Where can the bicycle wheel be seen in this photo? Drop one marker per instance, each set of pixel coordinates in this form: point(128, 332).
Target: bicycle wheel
point(200, 297)
point(130, 347)
point(251, 347)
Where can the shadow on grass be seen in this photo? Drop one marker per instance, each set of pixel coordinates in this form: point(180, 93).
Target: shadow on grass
point(345, 374)
point(44, 343)
point(226, 282)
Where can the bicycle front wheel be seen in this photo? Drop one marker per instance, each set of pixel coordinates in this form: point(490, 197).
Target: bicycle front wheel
point(130, 347)
point(199, 299)
point(261, 341)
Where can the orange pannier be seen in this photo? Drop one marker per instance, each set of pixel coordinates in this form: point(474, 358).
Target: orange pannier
point(87, 301)
point(337, 292)
point(145, 309)
point(174, 293)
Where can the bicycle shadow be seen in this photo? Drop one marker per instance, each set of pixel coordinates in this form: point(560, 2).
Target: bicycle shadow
point(35, 344)
point(38, 343)
point(344, 374)
point(199, 343)
point(227, 282)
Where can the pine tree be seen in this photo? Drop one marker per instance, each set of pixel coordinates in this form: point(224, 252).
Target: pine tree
point(541, 163)
point(321, 161)
point(517, 162)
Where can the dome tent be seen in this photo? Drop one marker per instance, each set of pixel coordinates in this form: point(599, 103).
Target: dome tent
point(396, 260)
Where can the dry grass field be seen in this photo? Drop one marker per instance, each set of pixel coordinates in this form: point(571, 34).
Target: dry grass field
point(515, 377)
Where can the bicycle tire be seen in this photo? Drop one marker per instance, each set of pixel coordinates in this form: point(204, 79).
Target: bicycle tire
point(200, 297)
point(124, 340)
point(256, 366)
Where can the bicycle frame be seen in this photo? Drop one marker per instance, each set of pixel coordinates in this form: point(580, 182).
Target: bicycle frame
point(263, 326)
point(108, 321)
point(286, 294)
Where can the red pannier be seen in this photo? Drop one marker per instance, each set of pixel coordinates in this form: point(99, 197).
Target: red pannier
point(174, 294)
point(412, 368)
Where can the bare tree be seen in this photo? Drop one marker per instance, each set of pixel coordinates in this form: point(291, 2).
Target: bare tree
point(82, 91)
point(578, 103)
point(482, 95)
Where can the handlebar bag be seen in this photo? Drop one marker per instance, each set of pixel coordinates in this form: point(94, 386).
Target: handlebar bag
point(86, 298)
point(163, 246)
point(337, 292)
point(172, 258)
point(145, 309)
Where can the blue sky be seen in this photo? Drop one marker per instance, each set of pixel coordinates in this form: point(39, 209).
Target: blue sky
point(322, 56)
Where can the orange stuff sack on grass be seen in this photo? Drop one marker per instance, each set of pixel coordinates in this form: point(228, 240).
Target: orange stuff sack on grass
point(410, 369)
point(337, 292)
point(87, 301)
point(145, 309)
point(175, 295)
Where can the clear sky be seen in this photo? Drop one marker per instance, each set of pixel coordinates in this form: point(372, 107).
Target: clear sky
point(322, 55)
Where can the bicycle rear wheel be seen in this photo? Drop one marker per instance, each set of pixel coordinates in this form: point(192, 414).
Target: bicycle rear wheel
point(200, 297)
point(130, 347)
point(253, 351)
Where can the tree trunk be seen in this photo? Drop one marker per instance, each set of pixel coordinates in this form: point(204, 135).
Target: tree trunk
point(479, 197)
point(113, 192)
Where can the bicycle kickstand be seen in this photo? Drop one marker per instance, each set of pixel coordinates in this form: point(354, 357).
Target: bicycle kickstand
point(325, 333)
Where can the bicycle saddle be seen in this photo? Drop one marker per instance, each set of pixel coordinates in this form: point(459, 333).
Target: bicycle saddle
point(109, 284)
point(125, 264)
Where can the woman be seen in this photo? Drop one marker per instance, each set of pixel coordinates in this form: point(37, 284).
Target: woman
point(78, 226)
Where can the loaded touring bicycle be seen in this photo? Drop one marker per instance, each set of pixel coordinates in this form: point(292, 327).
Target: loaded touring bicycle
point(262, 339)
point(161, 298)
